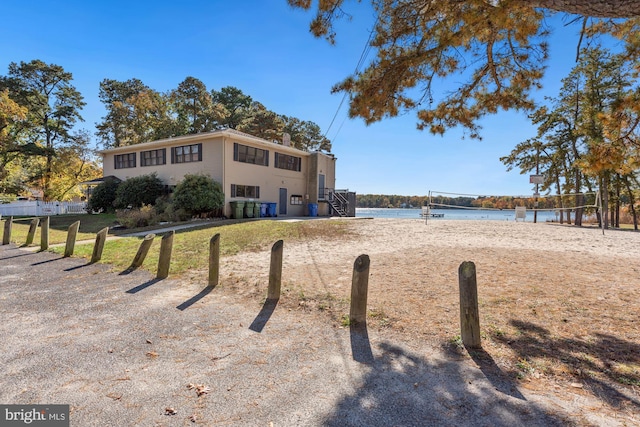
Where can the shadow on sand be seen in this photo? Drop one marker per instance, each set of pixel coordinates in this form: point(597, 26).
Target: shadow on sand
point(405, 389)
point(602, 360)
point(360, 345)
point(143, 286)
point(263, 317)
point(194, 299)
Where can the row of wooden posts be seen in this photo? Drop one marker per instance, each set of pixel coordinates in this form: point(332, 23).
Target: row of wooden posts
point(72, 232)
point(469, 313)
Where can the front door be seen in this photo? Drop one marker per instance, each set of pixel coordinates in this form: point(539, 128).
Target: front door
point(282, 210)
point(320, 187)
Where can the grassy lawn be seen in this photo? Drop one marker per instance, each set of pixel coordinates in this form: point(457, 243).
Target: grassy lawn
point(58, 226)
point(191, 246)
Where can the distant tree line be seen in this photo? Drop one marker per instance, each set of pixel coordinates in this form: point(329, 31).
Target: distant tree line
point(396, 201)
point(486, 202)
point(137, 113)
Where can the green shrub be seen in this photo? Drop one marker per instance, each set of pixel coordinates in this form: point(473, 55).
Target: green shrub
point(162, 204)
point(133, 218)
point(138, 191)
point(198, 194)
point(172, 214)
point(103, 196)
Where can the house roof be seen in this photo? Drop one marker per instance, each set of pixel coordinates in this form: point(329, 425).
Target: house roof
point(229, 133)
point(98, 181)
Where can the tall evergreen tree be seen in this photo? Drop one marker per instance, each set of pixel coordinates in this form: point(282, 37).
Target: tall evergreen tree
point(53, 107)
point(195, 108)
point(236, 103)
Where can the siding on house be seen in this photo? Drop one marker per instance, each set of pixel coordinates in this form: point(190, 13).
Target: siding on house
point(233, 159)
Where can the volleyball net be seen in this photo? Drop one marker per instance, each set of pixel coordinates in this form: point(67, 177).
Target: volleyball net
point(587, 202)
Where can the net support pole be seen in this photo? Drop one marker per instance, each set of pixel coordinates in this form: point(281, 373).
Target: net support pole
point(426, 217)
point(599, 196)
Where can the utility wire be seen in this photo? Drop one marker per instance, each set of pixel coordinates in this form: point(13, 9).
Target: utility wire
point(361, 61)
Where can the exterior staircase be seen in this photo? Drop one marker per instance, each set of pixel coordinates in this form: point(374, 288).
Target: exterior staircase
point(339, 203)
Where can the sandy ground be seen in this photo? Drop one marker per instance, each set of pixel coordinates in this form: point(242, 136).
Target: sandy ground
point(122, 349)
point(565, 289)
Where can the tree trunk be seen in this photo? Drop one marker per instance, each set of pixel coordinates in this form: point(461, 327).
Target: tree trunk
point(559, 189)
point(617, 218)
point(579, 198)
point(604, 188)
point(579, 209)
point(632, 203)
point(46, 179)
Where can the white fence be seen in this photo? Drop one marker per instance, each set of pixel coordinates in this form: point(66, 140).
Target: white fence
point(38, 208)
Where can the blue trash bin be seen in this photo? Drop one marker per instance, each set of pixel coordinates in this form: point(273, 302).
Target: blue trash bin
point(313, 209)
point(264, 208)
point(272, 209)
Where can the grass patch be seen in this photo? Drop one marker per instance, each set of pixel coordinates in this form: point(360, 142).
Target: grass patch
point(58, 226)
point(191, 247)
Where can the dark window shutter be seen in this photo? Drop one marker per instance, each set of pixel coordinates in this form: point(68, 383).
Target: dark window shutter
point(115, 161)
point(200, 152)
point(135, 157)
point(233, 190)
point(164, 156)
point(235, 151)
point(257, 192)
point(173, 154)
point(266, 154)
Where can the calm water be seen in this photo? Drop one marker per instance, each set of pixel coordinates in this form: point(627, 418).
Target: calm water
point(461, 214)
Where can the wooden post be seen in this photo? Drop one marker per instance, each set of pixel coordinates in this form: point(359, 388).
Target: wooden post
point(6, 237)
point(32, 231)
point(359, 290)
point(143, 250)
point(214, 260)
point(101, 237)
point(275, 271)
point(164, 261)
point(71, 238)
point(44, 234)
point(469, 313)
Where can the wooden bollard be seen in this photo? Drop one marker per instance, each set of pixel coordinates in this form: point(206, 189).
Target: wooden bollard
point(44, 234)
point(101, 237)
point(275, 271)
point(469, 313)
point(359, 290)
point(143, 250)
point(71, 238)
point(214, 260)
point(33, 226)
point(6, 237)
point(164, 260)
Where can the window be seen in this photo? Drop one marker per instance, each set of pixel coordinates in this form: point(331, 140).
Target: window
point(124, 161)
point(253, 155)
point(248, 191)
point(186, 153)
point(153, 157)
point(292, 163)
point(295, 200)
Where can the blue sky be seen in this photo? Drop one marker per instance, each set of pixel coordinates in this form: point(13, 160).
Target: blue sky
point(265, 49)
